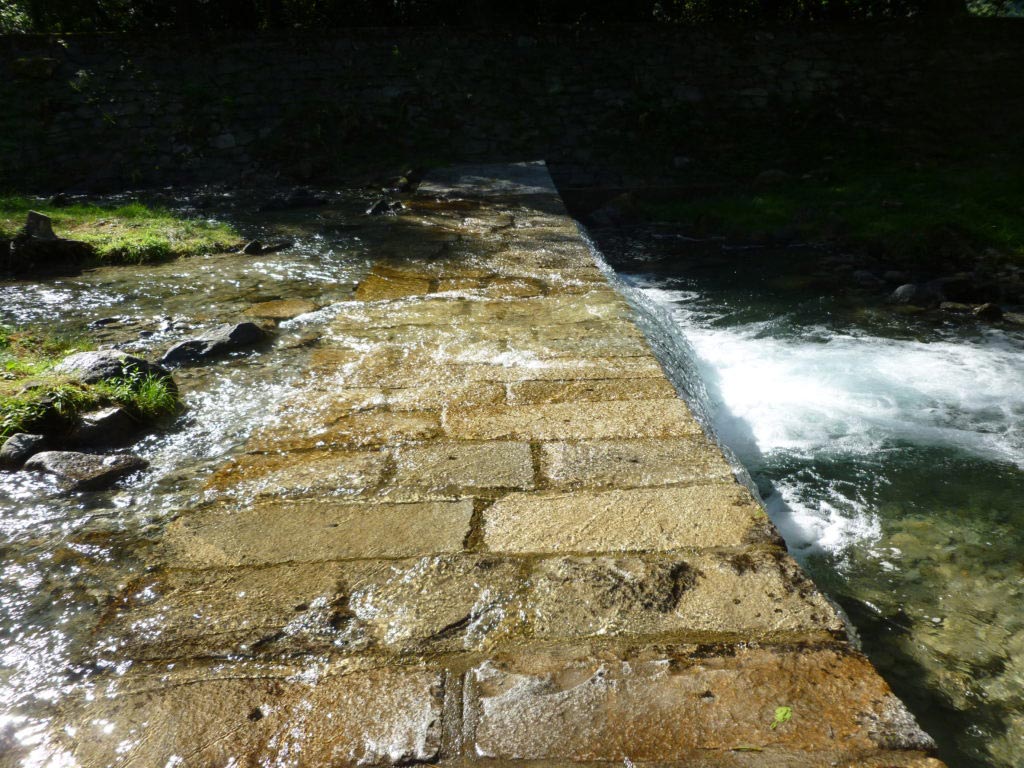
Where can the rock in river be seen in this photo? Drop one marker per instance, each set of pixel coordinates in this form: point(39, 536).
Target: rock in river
point(918, 295)
point(17, 449)
point(92, 367)
point(111, 426)
point(215, 342)
point(85, 471)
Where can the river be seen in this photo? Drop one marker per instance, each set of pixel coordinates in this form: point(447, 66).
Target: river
point(888, 448)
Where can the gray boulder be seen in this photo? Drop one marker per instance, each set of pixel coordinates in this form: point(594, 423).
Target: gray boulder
point(111, 426)
point(85, 471)
point(39, 226)
point(216, 342)
point(19, 448)
point(107, 364)
point(918, 295)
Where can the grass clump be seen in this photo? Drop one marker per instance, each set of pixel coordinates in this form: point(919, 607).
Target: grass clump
point(126, 234)
point(33, 398)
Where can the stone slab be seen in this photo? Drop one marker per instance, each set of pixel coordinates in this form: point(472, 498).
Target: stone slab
point(588, 390)
point(432, 604)
point(315, 530)
point(483, 181)
point(252, 715)
point(573, 421)
point(358, 429)
point(461, 467)
point(633, 463)
point(377, 287)
point(545, 708)
point(346, 473)
point(698, 597)
point(639, 520)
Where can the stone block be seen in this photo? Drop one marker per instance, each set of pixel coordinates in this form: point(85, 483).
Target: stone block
point(464, 466)
point(678, 708)
point(633, 463)
point(573, 421)
point(640, 520)
point(310, 531)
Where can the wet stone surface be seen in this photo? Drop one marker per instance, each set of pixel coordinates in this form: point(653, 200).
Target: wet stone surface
point(479, 526)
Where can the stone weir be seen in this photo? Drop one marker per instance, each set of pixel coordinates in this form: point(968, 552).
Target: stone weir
point(484, 530)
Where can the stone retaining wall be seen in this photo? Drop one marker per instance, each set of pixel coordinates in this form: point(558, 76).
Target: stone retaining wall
point(108, 111)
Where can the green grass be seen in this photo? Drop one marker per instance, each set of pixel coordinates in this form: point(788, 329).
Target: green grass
point(31, 395)
point(124, 234)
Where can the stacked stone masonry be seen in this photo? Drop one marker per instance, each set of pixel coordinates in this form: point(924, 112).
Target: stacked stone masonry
point(484, 531)
point(109, 111)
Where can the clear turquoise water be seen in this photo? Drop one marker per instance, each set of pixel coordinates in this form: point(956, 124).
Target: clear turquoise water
point(889, 449)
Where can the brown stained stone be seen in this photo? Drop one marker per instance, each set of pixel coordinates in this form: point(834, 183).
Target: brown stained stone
point(460, 284)
point(425, 311)
point(513, 287)
point(247, 715)
point(442, 466)
point(553, 310)
point(573, 421)
point(633, 463)
point(588, 390)
point(700, 597)
point(314, 530)
point(640, 520)
point(358, 429)
point(378, 287)
point(425, 605)
point(300, 474)
point(282, 309)
point(526, 366)
point(546, 709)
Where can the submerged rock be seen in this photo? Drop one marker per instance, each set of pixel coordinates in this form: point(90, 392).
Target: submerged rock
point(111, 426)
point(281, 309)
point(107, 364)
point(85, 471)
point(216, 342)
point(19, 448)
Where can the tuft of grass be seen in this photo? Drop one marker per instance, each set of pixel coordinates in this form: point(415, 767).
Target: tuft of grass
point(32, 397)
point(133, 233)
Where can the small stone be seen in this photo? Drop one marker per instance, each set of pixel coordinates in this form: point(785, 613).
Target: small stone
point(85, 471)
point(955, 306)
point(917, 294)
point(17, 449)
point(216, 342)
point(771, 178)
point(988, 311)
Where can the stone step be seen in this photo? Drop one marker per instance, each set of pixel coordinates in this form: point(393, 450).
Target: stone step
point(800, 706)
point(465, 603)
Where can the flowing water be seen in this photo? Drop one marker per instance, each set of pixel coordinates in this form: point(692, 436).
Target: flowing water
point(62, 558)
point(888, 448)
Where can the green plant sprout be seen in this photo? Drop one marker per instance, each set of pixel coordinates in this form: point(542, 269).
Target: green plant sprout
point(782, 715)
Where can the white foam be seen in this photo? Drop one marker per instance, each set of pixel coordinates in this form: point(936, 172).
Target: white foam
point(829, 396)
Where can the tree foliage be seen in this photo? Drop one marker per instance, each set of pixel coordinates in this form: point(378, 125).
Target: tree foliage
point(202, 15)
